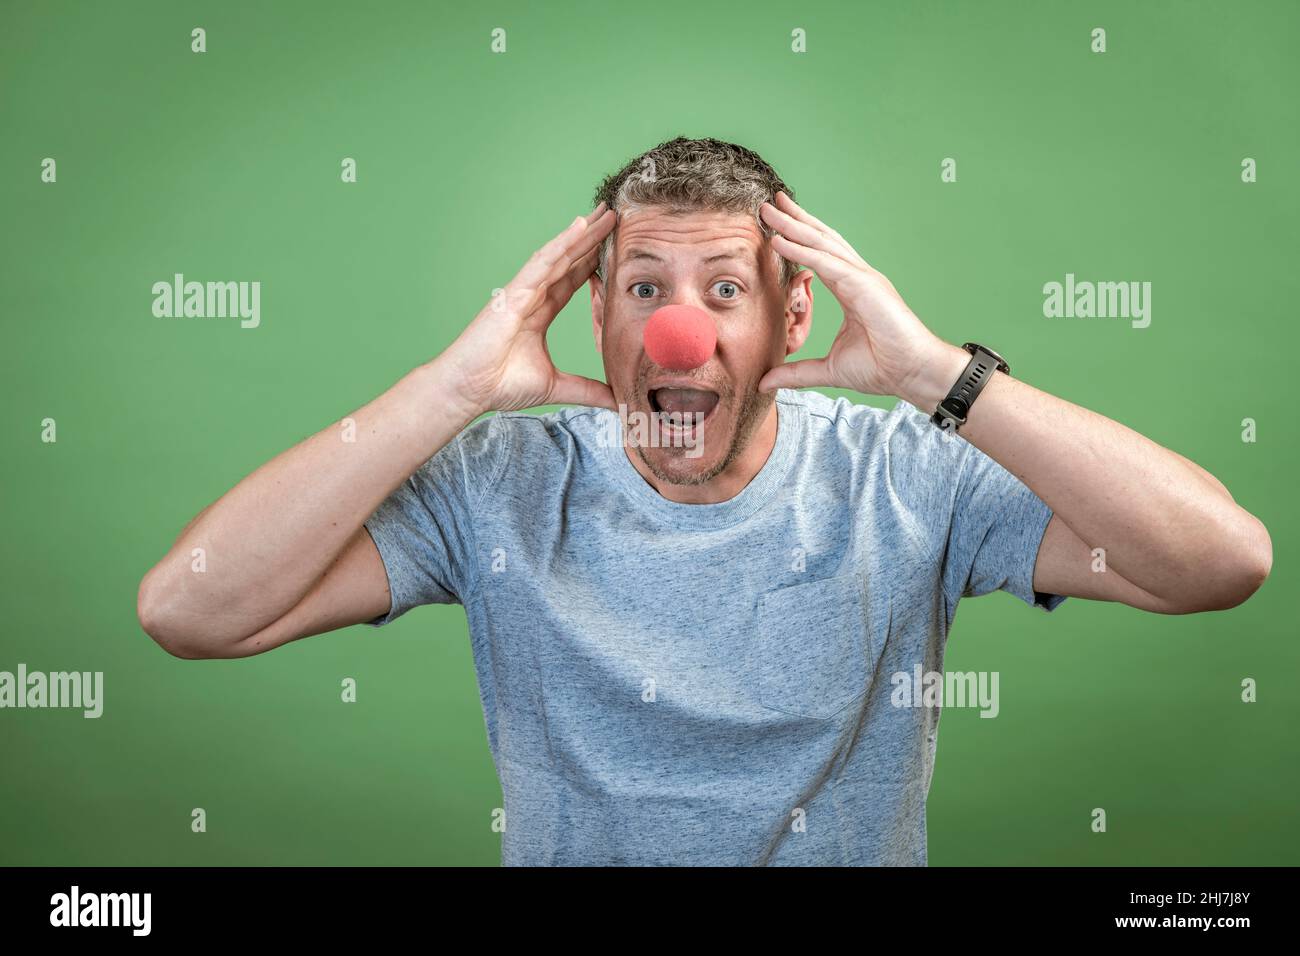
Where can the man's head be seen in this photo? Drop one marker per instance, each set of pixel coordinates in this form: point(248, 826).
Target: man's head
point(688, 233)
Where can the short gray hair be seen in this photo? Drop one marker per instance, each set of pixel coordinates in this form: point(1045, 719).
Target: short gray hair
point(686, 175)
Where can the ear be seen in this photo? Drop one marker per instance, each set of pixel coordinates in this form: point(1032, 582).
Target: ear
point(597, 287)
point(798, 311)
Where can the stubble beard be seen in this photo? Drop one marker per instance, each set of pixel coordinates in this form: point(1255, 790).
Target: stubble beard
point(752, 411)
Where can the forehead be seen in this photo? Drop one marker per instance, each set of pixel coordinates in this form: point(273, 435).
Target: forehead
point(686, 236)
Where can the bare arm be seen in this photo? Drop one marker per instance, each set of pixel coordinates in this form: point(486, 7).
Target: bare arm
point(1174, 539)
point(270, 540)
point(284, 552)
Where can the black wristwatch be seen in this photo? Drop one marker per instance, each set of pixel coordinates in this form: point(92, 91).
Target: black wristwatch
point(952, 411)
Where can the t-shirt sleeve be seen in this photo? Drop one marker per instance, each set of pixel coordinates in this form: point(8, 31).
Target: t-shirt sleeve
point(424, 530)
point(982, 524)
point(996, 532)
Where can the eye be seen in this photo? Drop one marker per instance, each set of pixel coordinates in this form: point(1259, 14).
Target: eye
point(644, 290)
point(726, 289)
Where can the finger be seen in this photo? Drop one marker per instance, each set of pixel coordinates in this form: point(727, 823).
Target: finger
point(576, 258)
point(538, 306)
point(577, 390)
point(832, 269)
point(786, 204)
point(595, 228)
point(786, 225)
point(805, 373)
point(784, 201)
point(581, 270)
point(559, 292)
point(588, 241)
point(581, 244)
point(557, 255)
point(791, 208)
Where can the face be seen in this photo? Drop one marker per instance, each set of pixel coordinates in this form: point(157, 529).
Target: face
point(719, 262)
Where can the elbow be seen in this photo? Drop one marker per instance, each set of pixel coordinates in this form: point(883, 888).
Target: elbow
point(1241, 572)
point(158, 619)
point(1253, 565)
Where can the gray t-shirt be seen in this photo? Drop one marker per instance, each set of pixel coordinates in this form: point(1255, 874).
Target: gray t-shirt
point(667, 683)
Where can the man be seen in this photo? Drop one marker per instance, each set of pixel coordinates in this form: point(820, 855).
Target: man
point(684, 648)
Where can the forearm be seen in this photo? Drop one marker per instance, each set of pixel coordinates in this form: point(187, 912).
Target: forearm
point(1167, 527)
point(1166, 524)
point(271, 537)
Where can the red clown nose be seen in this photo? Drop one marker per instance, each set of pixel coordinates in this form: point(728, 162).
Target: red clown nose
point(680, 337)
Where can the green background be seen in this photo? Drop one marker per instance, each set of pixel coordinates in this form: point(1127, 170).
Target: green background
point(225, 166)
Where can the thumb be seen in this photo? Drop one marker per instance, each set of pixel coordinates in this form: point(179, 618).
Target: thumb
point(576, 390)
point(805, 373)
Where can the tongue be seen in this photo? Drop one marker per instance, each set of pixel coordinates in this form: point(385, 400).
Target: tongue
point(686, 401)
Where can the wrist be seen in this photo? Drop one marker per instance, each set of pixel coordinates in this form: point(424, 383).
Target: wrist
point(440, 391)
point(930, 382)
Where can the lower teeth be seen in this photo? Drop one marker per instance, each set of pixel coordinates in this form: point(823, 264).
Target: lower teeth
point(681, 419)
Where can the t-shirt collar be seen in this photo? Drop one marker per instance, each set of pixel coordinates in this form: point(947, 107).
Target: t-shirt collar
point(687, 517)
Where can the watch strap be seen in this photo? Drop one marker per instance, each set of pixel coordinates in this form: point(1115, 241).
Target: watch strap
point(955, 408)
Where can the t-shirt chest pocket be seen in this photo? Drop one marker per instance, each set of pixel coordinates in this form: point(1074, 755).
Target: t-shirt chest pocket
point(816, 645)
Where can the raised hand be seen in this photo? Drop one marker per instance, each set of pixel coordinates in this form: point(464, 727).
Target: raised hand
point(882, 347)
point(500, 362)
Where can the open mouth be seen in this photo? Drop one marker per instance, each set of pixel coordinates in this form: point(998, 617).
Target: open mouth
point(683, 407)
